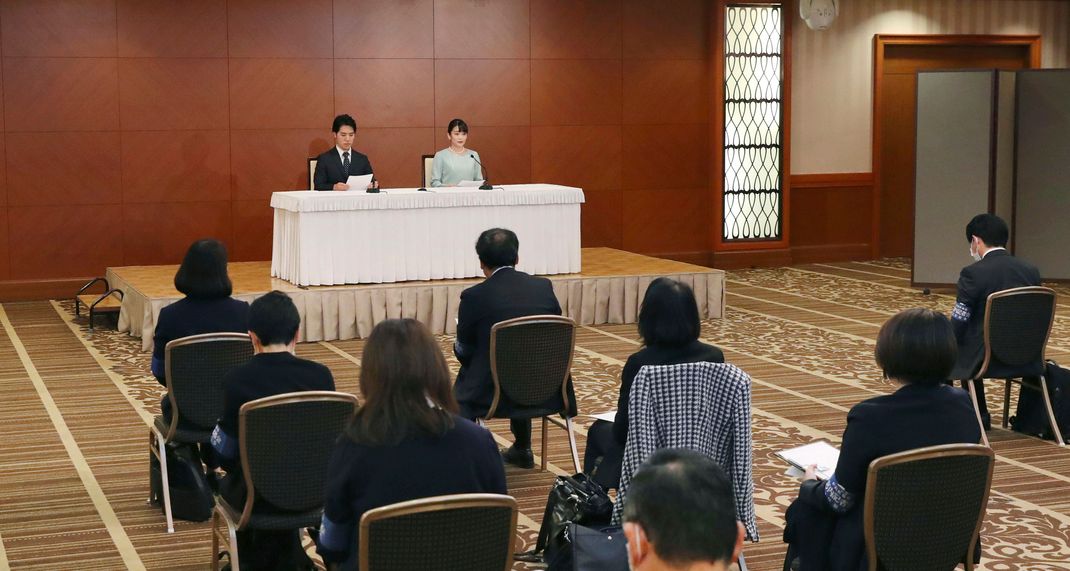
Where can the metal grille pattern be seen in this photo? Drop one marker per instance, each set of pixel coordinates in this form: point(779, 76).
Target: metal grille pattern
point(753, 102)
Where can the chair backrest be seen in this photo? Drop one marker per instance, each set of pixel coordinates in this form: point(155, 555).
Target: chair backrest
point(194, 369)
point(312, 173)
point(285, 442)
point(1017, 324)
point(924, 507)
point(453, 533)
point(531, 359)
point(426, 162)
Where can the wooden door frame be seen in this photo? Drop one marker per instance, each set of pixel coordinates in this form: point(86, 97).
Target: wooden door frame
point(880, 42)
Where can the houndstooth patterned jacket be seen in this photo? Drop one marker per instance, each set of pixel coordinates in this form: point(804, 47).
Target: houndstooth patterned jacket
point(700, 406)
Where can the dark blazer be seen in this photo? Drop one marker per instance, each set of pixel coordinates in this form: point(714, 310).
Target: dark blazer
point(188, 316)
point(997, 271)
point(693, 352)
point(506, 294)
point(329, 168)
point(915, 416)
point(361, 477)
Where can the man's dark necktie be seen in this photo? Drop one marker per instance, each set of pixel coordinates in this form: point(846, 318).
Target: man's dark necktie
point(345, 162)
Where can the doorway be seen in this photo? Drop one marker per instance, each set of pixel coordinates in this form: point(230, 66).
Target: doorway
point(897, 60)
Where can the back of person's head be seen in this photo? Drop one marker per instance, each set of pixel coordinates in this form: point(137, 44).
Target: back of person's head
point(274, 319)
point(203, 273)
point(668, 316)
point(917, 346)
point(991, 229)
point(405, 384)
point(342, 121)
point(683, 503)
point(498, 247)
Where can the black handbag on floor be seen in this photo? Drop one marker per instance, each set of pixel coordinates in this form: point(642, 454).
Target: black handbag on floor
point(191, 494)
point(572, 499)
point(597, 549)
point(1031, 416)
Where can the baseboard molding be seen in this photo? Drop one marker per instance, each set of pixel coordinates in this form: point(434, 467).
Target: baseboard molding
point(823, 253)
point(34, 290)
point(860, 180)
point(739, 259)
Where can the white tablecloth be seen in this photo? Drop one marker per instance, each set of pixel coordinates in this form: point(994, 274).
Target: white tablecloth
point(332, 238)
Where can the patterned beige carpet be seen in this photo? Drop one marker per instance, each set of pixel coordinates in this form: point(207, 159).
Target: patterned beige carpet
point(74, 406)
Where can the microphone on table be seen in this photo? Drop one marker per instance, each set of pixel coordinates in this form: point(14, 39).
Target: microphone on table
point(375, 186)
point(486, 180)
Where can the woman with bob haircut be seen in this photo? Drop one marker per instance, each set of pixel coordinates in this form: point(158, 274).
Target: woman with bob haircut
point(669, 328)
point(405, 442)
point(455, 163)
point(206, 308)
point(916, 350)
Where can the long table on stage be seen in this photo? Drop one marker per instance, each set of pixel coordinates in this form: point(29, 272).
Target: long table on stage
point(401, 234)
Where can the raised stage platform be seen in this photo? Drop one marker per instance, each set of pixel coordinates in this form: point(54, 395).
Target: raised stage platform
point(608, 290)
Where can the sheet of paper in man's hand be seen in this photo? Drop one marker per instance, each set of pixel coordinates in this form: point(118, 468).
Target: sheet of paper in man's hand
point(359, 182)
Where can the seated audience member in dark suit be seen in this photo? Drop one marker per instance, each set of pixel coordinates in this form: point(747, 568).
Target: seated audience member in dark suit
point(669, 327)
point(505, 294)
point(273, 370)
point(207, 307)
point(995, 269)
point(334, 167)
point(916, 350)
point(406, 442)
point(681, 514)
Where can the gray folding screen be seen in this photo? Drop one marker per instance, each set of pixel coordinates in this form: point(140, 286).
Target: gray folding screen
point(991, 141)
point(953, 168)
point(1042, 205)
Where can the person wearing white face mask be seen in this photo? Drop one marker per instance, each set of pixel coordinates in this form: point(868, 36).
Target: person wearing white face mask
point(994, 269)
point(681, 514)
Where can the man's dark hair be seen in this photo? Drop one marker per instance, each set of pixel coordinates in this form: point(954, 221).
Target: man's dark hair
point(683, 501)
point(497, 247)
point(274, 318)
point(457, 124)
point(341, 121)
point(203, 273)
point(917, 346)
point(668, 316)
point(991, 229)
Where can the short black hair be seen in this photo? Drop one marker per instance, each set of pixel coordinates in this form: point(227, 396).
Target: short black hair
point(917, 346)
point(991, 229)
point(341, 121)
point(274, 318)
point(669, 314)
point(457, 124)
point(203, 273)
point(684, 502)
point(498, 247)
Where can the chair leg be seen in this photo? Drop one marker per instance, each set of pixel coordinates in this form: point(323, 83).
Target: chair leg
point(165, 483)
point(977, 412)
point(152, 451)
point(1051, 412)
point(1007, 400)
point(215, 540)
point(572, 445)
point(544, 434)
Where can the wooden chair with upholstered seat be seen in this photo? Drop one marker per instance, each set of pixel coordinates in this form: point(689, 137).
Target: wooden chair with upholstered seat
point(426, 162)
point(312, 173)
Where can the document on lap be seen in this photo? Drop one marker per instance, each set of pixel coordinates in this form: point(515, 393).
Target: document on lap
point(819, 453)
point(608, 416)
point(359, 182)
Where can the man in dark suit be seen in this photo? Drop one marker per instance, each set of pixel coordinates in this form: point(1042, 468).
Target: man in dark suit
point(505, 294)
point(995, 270)
point(334, 167)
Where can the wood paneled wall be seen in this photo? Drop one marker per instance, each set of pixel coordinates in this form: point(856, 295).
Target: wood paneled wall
point(132, 127)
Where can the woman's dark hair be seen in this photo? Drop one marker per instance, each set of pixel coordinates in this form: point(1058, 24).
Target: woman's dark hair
point(917, 346)
point(458, 124)
point(274, 318)
point(203, 273)
point(669, 314)
point(405, 385)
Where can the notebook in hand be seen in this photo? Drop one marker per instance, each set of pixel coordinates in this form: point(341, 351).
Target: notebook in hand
point(818, 452)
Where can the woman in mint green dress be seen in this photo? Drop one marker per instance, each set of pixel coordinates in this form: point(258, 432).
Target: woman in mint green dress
point(455, 163)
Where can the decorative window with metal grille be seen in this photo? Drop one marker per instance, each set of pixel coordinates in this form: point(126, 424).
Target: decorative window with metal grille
point(753, 111)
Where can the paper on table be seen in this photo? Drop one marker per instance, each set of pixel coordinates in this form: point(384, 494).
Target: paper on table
point(359, 182)
point(819, 452)
point(470, 183)
point(608, 416)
